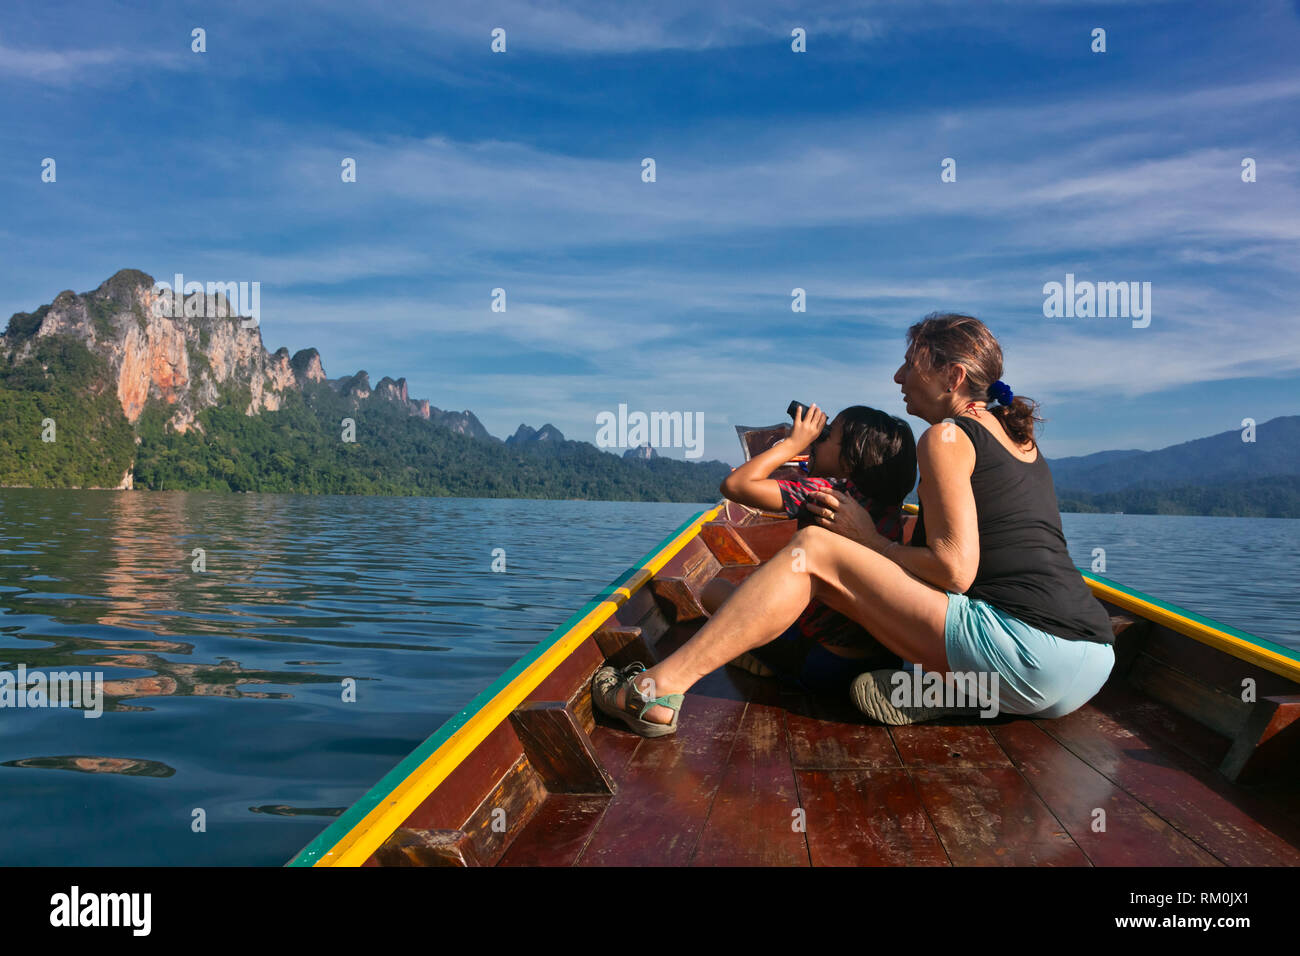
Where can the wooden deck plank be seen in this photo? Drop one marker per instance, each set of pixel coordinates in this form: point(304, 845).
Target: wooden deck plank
point(827, 736)
point(1191, 797)
point(732, 683)
point(666, 789)
point(1128, 705)
point(559, 831)
point(1074, 791)
point(990, 816)
point(1283, 798)
point(866, 818)
point(948, 746)
point(752, 820)
point(614, 747)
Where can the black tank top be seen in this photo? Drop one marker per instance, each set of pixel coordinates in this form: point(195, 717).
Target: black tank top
point(1025, 569)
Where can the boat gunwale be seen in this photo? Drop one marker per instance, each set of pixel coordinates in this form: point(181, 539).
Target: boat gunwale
point(363, 827)
point(1270, 655)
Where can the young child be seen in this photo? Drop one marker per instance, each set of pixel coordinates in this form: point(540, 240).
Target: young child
point(867, 455)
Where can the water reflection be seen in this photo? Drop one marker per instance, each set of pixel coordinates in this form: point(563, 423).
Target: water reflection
point(126, 766)
point(226, 685)
point(279, 810)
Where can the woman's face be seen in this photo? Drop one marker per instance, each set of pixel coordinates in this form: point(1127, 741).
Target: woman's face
point(824, 455)
point(923, 391)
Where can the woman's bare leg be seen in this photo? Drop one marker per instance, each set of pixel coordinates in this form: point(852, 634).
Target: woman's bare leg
point(715, 594)
point(903, 612)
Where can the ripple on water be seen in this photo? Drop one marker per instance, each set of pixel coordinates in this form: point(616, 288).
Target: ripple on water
point(326, 638)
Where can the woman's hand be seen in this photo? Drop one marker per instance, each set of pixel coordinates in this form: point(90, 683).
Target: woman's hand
point(843, 515)
point(808, 425)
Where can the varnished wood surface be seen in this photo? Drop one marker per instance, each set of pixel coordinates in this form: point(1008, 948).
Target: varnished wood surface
point(760, 775)
point(666, 791)
point(755, 819)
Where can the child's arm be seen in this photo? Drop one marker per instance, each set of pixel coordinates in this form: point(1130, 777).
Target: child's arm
point(751, 485)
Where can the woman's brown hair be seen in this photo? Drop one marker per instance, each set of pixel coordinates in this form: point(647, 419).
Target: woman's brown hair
point(949, 338)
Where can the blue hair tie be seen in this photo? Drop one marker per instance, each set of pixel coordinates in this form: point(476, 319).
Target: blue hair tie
point(1001, 393)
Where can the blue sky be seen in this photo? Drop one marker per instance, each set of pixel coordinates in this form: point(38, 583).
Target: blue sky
point(775, 170)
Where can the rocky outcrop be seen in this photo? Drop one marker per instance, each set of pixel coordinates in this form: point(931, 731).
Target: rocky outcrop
point(307, 366)
point(526, 436)
point(280, 376)
point(187, 353)
point(352, 386)
point(393, 391)
point(153, 355)
point(462, 423)
point(357, 387)
point(642, 452)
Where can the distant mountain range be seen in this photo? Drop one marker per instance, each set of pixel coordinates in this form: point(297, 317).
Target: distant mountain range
point(1220, 474)
point(103, 390)
point(1218, 458)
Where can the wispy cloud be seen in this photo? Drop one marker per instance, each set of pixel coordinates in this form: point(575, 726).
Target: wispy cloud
point(65, 67)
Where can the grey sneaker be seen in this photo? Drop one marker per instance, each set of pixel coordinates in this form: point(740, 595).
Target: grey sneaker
point(872, 692)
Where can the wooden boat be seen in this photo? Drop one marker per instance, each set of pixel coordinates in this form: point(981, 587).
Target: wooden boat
point(1186, 757)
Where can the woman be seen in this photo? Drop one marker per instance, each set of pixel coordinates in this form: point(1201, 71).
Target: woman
point(987, 587)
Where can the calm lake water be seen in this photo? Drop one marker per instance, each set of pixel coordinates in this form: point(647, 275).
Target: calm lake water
point(223, 687)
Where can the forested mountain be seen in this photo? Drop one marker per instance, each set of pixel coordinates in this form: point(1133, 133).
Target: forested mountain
point(105, 390)
point(1222, 474)
point(1225, 457)
point(98, 390)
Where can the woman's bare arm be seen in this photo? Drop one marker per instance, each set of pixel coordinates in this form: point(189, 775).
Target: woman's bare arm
point(951, 555)
point(751, 485)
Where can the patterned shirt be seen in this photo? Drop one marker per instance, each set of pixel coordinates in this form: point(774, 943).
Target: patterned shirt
point(818, 622)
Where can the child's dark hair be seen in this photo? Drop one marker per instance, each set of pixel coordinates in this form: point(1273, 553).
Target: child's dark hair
point(879, 453)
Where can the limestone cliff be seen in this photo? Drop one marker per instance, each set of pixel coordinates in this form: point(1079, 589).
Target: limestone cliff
point(124, 387)
point(307, 366)
point(151, 355)
point(183, 354)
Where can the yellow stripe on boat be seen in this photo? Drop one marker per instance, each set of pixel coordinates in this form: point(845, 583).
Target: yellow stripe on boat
point(356, 846)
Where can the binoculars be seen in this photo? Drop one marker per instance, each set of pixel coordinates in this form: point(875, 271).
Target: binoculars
point(795, 408)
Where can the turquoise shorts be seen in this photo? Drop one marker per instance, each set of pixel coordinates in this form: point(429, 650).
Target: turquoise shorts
point(1038, 673)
